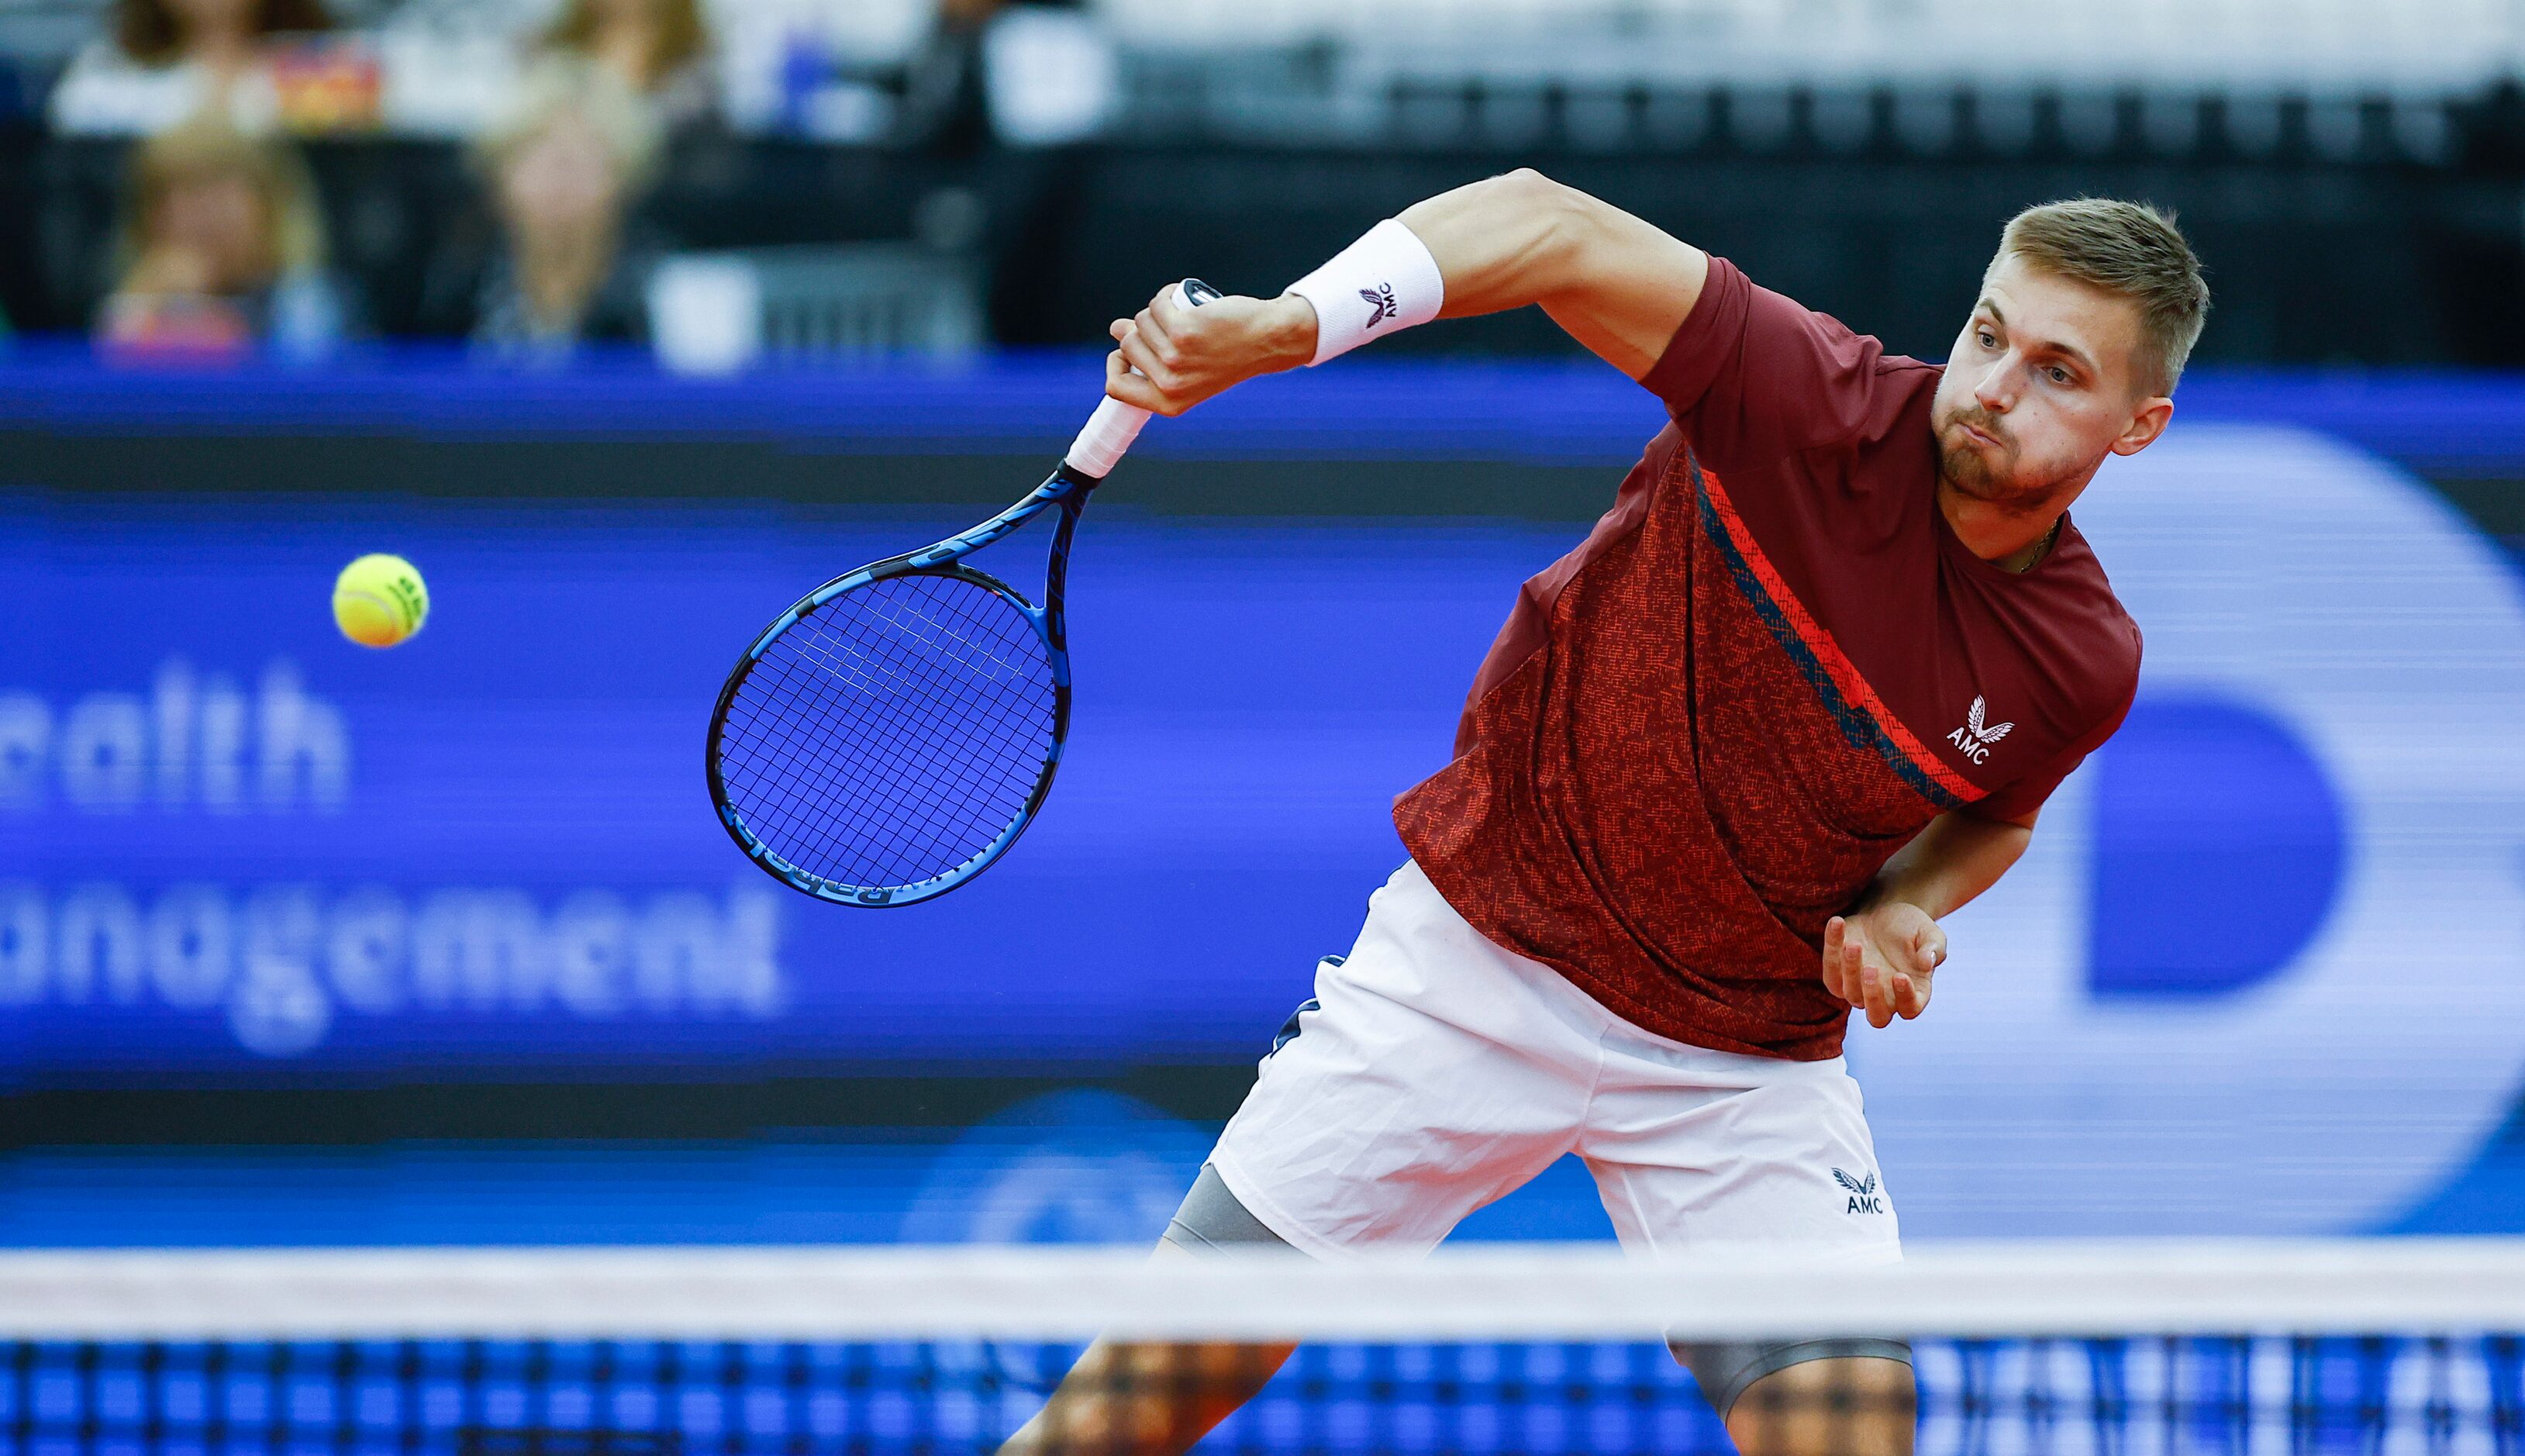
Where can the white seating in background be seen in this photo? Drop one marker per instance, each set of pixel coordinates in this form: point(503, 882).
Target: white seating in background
point(2345, 46)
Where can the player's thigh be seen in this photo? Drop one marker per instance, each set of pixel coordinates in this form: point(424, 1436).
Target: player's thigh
point(1691, 1149)
point(1430, 1074)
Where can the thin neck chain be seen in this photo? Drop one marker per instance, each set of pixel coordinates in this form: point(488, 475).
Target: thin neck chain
point(2043, 548)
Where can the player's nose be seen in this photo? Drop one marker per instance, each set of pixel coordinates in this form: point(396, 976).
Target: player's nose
point(1995, 391)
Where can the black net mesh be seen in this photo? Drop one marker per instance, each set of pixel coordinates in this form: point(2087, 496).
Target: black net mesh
point(893, 734)
point(2106, 1396)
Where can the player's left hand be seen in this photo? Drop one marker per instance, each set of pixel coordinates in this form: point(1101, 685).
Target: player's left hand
point(1880, 959)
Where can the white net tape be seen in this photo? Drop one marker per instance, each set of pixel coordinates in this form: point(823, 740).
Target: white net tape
point(2405, 1288)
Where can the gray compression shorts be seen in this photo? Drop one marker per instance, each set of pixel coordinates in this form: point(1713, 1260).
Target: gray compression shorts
point(1212, 1218)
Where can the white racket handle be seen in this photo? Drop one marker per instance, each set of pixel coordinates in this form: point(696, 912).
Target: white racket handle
point(1108, 437)
point(1110, 432)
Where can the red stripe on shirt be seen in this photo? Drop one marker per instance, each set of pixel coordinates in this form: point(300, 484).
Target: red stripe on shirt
point(1836, 662)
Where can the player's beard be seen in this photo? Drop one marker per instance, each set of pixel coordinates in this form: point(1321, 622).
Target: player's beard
point(1975, 471)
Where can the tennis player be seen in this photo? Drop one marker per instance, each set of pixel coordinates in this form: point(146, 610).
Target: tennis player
point(1800, 693)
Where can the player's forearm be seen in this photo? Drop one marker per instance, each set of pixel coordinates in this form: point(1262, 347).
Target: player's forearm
point(1618, 285)
point(1951, 862)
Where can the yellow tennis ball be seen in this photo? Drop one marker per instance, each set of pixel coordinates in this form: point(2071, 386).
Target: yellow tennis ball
point(380, 600)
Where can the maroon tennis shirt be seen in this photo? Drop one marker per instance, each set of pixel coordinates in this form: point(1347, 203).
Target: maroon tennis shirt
point(1701, 733)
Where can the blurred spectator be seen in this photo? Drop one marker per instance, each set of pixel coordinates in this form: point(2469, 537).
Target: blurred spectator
point(563, 170)
point(1033, 75)
point(223, 248)
point(660, 48)
point(169, 60)
point(946, 108)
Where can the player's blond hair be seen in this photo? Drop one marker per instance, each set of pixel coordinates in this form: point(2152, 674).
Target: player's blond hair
point(2129, 249)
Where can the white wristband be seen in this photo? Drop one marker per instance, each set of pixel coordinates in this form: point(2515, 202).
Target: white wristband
point(1383, 284)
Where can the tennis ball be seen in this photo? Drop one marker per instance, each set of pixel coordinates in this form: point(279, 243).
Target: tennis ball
point(380, 600)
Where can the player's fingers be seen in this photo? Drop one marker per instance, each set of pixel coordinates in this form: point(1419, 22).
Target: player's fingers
point(1911, 995)
point(1163, 341)
point(1834, 933)
point(1196, 335)
point(1131, 388)
point(1120, 330)
point(1880, 996)
point(1931, 945)
point(1137, 353)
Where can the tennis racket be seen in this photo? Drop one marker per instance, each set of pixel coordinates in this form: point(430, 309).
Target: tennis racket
point(887, 739)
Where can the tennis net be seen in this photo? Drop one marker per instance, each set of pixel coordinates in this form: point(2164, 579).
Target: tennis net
point(2127, 1350)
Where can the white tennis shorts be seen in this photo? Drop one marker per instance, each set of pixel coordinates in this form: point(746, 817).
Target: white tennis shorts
point(1434, 1073)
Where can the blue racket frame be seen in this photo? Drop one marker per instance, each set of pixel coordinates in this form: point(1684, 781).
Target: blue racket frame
point(1067, 489)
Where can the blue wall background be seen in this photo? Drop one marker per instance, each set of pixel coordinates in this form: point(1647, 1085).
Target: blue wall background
point(237, 851)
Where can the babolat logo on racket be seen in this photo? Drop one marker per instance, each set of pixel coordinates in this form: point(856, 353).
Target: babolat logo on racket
point(1381, 304)
point(1864, 1197)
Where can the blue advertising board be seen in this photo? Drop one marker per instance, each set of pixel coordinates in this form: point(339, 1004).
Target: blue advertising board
point(2256, 976)
point(238, 843)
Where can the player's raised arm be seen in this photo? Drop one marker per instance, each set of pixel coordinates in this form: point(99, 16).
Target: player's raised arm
point(1617, 285)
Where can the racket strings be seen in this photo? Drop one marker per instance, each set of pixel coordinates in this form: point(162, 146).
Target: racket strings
point(923, 784)
point(894, 733)
point(905, 791)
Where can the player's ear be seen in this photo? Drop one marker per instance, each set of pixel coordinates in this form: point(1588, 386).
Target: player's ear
point(2147, 423)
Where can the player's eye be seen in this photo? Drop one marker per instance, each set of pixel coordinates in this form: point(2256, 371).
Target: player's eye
point(2058, 375)
point(1989, 340)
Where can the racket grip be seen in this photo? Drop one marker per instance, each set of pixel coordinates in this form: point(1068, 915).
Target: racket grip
point(1111, 431)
